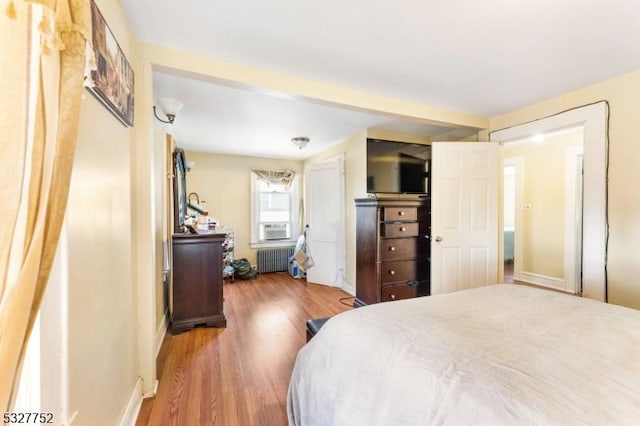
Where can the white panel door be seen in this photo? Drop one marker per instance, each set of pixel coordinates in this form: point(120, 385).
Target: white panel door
point(324, 200)
point(464, 215)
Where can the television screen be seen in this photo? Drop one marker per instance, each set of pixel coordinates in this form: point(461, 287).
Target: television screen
point(397, 167)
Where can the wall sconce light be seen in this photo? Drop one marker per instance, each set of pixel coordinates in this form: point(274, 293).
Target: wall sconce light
point(300, 141)
point(169, 107)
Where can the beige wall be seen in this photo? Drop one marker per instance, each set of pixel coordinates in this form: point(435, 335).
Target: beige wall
point(623, 95)
point(393, 136)
point(159, 203)
point(102, 306)
point(224, 182)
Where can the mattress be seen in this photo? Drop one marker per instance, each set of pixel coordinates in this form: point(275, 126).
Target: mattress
point(497, 355)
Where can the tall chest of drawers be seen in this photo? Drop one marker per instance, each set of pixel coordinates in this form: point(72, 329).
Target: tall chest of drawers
point(392, 249)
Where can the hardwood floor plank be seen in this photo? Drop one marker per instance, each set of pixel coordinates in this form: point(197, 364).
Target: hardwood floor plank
point(239, 375)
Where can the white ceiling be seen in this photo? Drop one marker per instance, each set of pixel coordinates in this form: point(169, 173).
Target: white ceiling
point(230, 120)
point(483, 58)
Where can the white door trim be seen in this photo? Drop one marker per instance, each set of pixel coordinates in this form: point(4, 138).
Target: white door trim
point(593, 118)
point(571, 220)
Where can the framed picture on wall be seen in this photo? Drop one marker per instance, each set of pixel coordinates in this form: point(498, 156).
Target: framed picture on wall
point(111, 81)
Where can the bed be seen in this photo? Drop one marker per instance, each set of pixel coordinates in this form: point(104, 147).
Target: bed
point(497, 355)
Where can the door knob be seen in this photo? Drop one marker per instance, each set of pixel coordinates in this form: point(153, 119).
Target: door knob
point(438, 239)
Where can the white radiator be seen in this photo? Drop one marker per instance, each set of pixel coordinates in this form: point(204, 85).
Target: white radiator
point(274, 259)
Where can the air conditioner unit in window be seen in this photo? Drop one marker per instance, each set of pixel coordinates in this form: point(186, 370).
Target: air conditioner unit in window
point(275, 231)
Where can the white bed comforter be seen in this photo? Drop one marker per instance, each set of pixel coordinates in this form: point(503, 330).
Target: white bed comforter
point(502, 354)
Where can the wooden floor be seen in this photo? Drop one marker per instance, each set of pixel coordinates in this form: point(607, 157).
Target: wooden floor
point(239, 375)
point(508, 272)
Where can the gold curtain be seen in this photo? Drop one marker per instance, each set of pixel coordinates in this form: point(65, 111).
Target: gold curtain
point(39, 114)
point(276, 177)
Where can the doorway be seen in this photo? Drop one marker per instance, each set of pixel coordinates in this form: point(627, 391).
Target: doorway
point(591, 195)
point(509, 216)
point(542, 209)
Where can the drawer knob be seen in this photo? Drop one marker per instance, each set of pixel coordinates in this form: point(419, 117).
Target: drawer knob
point(392, 248)
point(401, 213)
point(392, 296)
point(392, 272)
point(402, 229)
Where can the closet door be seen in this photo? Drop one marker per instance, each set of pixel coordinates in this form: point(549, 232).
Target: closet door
point(324, 199)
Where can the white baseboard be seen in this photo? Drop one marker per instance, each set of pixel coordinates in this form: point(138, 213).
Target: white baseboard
point(153, 392)
point(543, 280)
point(70, 419)
point(161, 332)
point(349, 288)
point(131, 411)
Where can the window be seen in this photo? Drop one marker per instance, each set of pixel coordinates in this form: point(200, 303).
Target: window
point(274, 216)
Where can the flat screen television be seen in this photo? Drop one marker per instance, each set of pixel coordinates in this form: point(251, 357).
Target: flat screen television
point(398, 167)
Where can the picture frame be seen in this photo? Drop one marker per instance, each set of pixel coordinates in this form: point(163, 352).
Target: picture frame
point(112, 80)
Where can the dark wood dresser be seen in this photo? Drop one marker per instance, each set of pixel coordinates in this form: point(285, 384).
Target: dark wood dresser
point(392, 249)
point(196, 296)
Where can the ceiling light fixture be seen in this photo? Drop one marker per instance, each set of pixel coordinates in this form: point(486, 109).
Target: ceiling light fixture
point(169, 107)
point(300, 141)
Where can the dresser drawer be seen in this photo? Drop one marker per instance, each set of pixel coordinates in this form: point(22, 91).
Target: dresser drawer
point(395, 230)
point(400, 213)
point(398, 292)
point(404, 270)
point(403, 248)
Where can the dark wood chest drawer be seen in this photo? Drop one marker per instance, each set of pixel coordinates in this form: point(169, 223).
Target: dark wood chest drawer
point(404, 270)
point(400, 213)
point(395, 230)
point(196, 290)
point(397, 292)
point(403, 248)
point(392, 249)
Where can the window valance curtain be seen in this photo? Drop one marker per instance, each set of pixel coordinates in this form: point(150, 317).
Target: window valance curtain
point(275, 177)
